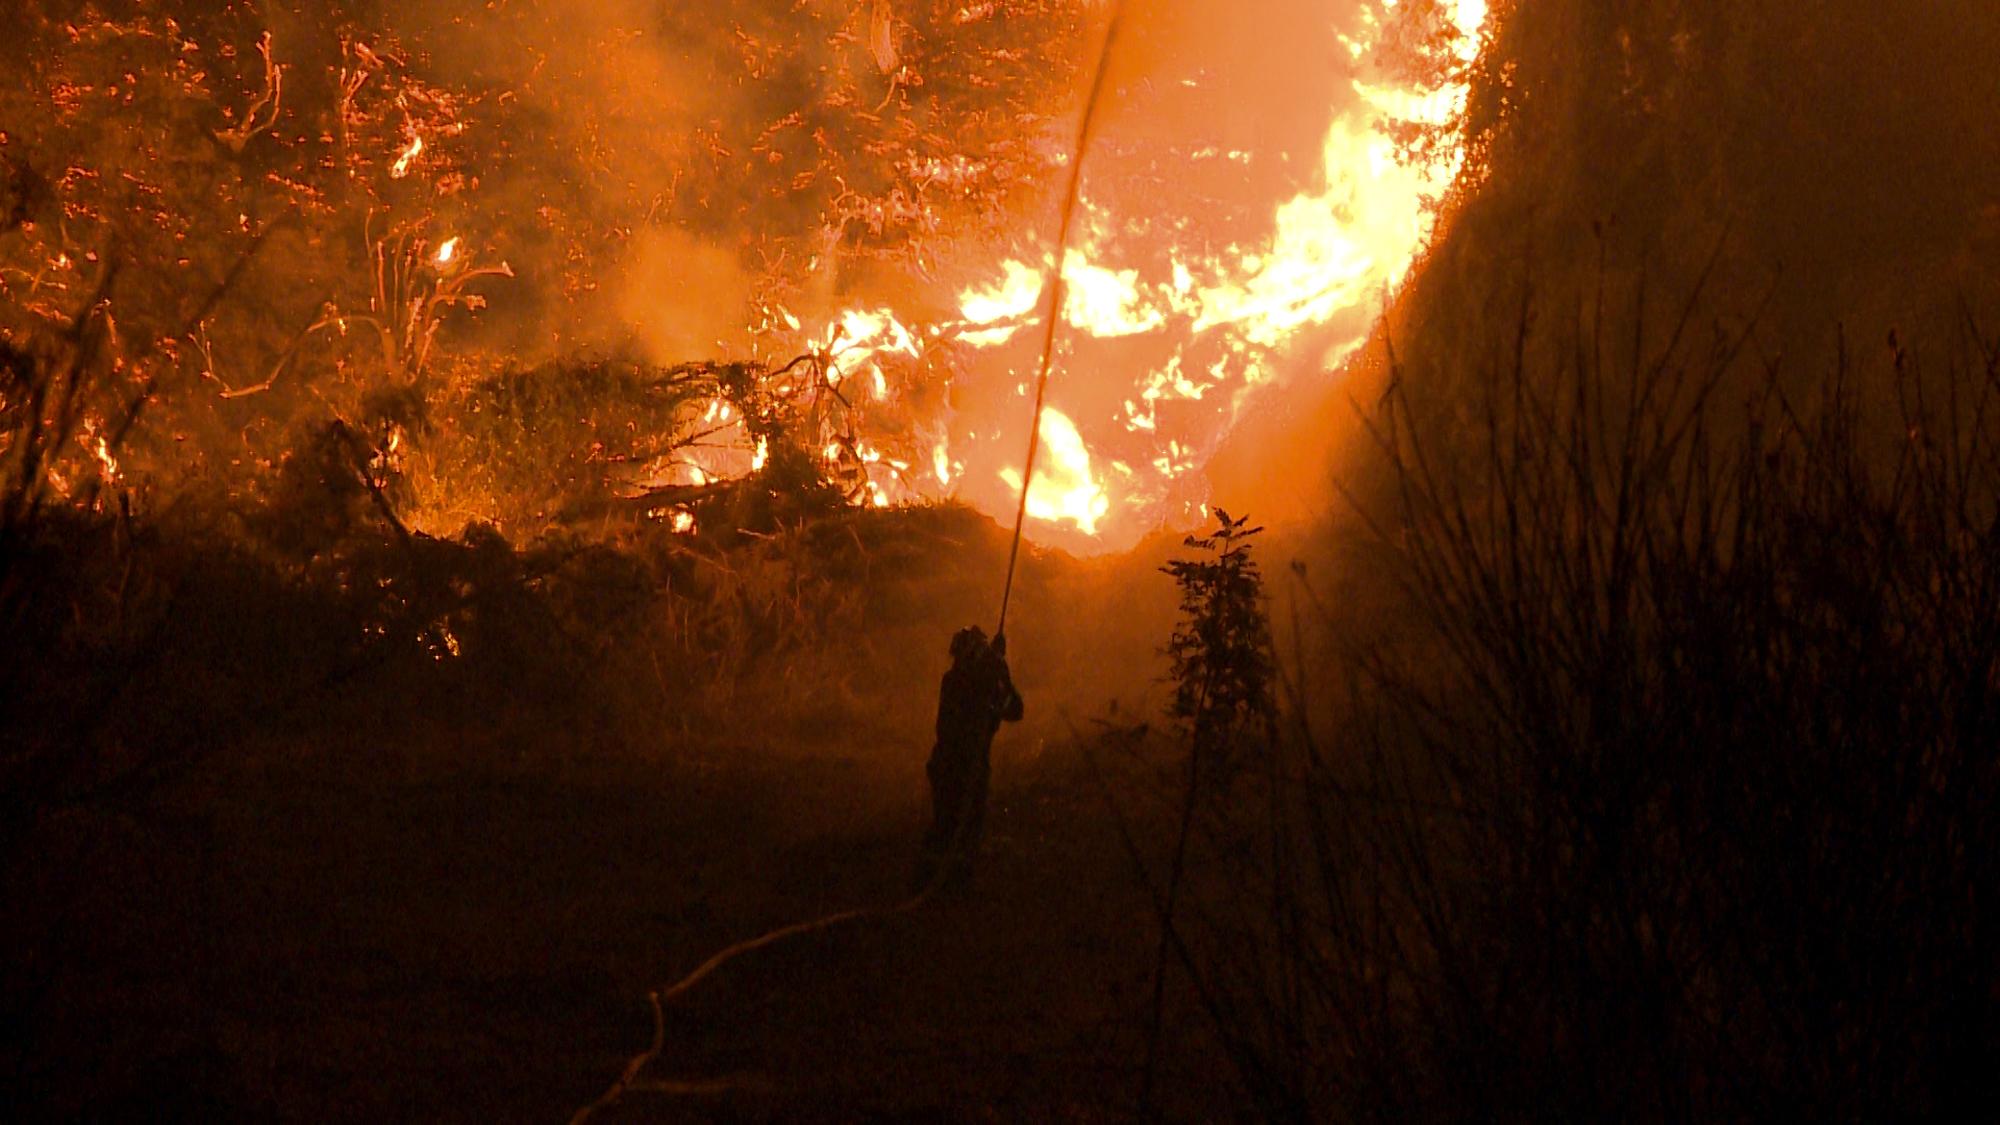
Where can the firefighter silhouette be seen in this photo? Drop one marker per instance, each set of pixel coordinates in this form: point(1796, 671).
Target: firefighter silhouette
point(976, 696)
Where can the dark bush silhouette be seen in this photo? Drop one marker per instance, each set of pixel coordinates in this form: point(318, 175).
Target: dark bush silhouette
point(1664, 791)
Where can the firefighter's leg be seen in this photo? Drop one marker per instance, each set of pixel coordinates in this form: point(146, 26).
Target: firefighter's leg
point(947, 799)
point(974, 829)
point(971, 823)
point(947, 804)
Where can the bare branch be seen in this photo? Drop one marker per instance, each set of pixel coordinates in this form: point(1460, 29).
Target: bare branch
point(268, 103)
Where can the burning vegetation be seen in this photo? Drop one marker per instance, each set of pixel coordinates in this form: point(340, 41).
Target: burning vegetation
point(570, 432)
point(329, 214)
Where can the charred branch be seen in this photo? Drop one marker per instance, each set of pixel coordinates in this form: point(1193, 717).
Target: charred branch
point(261, 115)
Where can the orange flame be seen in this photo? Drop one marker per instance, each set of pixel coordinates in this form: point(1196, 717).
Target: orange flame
point(1213, 324)
point(1064, 491)
point(411, 151)
point(1161, 350)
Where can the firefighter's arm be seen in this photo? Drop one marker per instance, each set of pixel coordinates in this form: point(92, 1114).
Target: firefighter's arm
point(1011, 708)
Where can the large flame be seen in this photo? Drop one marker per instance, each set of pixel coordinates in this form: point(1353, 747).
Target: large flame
point(1180, 347)
point(1162, 345)
point(1064, 490)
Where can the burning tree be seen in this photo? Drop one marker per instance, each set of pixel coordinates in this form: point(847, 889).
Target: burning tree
point(253, 232)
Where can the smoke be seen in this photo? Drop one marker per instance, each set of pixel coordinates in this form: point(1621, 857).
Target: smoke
point(736, 157)
point(686, 299)
point(665, 182)
point(673, 180)
point(724, 183)
point(587, 137)
point(1261, 79)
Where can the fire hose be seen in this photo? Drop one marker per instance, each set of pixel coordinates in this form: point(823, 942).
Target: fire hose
point(629, 1079)
point(1054, 287)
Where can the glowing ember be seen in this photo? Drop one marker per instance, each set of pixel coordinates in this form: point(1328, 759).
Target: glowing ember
point(101, 449)
point(447, 251)
point(444, 643)
point(411, 151)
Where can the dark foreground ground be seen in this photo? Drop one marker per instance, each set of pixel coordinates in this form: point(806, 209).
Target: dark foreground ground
point(443, 889)
point(333, 942)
